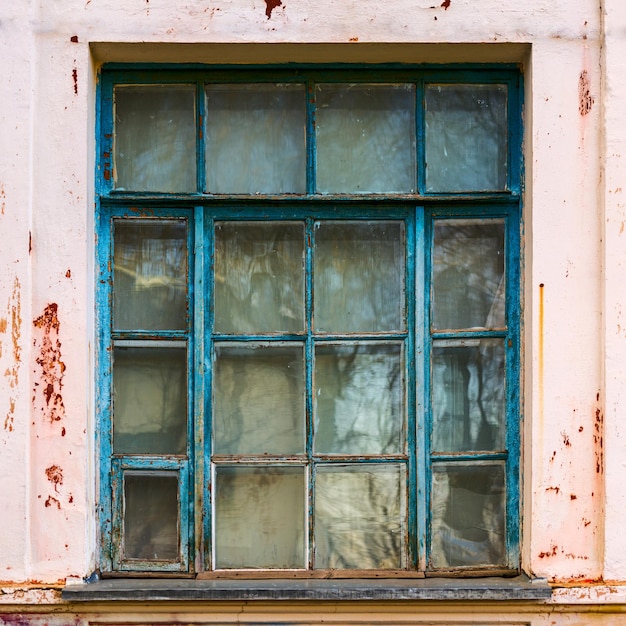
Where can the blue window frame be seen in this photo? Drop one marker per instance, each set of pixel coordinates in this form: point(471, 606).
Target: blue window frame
point(308, 315)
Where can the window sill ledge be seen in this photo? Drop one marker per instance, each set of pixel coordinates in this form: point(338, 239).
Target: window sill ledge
point(428, 589)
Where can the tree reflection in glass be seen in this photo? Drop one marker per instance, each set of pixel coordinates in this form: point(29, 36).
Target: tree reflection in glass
point(359, 277)
point(259, 277)
point(468, 274)
point(358, 395)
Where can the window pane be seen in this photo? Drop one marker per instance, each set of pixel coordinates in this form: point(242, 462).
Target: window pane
point(468, 274)
point(468, 395)
point(155, 138)
point(359, 277)
point(259, 399)
point(150, 401)
point(255, 139)
point(150, 275)
point(468, 515)
point(358, 393)
point(151, 516)
point(259, 277)
point(360, 516)
point(259, 517)
point(365, 138)
point(466, 137)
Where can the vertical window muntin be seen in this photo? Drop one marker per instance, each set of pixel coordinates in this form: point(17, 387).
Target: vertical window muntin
point(512, 175)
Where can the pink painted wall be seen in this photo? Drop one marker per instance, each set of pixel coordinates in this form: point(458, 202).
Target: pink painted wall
point(573, 54)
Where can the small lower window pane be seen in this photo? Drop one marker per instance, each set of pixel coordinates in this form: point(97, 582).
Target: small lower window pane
point(359, 277)
point(468, 395)
point(150, 401)
point(259, 277)
point(360, 517)
point(151, 517)
point(259, 517)
point(259, 399)
point(468, 516)
point(358, 394)
point(468, 274)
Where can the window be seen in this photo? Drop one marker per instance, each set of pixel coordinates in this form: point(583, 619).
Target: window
point(309, 320)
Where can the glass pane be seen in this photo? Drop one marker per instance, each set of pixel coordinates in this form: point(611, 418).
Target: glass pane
point(468, 516)
point(365, 138)
point(150, 275)
point(468, 395)
point(259, 517)
point(155, 138)
point(150, 401)
point(151, 516)
point(359, 277)
point(259, 399)
point(259, 277)
point(466, 137)
point(360, 517)
point(468, 274)
point(358, 393)
point(255, 139)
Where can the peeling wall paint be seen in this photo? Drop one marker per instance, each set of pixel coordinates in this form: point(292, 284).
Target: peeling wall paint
point(49, 378)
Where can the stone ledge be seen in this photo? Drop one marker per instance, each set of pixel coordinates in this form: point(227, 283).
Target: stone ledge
point(428, 589)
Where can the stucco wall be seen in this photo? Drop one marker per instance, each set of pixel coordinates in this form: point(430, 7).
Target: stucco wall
point(574, 297)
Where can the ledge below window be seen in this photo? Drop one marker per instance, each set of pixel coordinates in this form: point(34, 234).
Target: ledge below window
point(430, 589)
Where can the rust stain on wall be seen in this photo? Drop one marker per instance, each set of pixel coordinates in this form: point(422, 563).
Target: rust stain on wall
point(445, 4)
point(75, 80)
point(2, 199)
point(52, 367)
point(12, 321)
point(549, 553)
point(54, 473)
point(52, 501)
point(598, 439)
point(270, 5)
point(585, 99)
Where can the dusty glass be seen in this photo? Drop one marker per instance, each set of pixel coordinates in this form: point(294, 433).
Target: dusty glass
point(150, 275)
point(468, 395)
point(151, 516)
point(259, 277)
point(359, 277)
point(258, 405)
point(365, 138)
point(358, 392)
point(255, 139)
point(466, 137)
point(155, 138)
point(149, 400)
point(469, 289)
point(468, 515)
point(259, 517)
point(360, 516)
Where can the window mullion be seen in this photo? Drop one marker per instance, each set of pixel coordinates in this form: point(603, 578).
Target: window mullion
point(200, 133)
point(310, 139)
point(309, 356)
point(205, 233)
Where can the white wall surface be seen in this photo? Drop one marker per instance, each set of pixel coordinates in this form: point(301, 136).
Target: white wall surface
point(574, 300)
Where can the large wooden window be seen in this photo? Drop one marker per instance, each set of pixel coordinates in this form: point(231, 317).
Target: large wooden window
point(308, 306)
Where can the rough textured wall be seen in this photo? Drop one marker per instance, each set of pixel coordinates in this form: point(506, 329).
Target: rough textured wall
point(573, 293)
